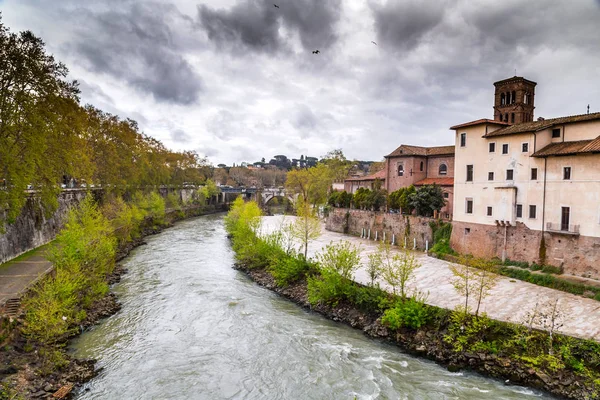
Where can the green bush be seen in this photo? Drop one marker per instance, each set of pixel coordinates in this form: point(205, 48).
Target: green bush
point(410, 313)
point(550, 281)
point(288, 269)
point(329, 288)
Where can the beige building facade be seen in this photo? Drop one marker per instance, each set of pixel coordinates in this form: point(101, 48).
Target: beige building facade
point(529, 191)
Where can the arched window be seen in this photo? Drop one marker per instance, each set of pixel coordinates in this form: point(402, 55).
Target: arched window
point(400, 169)
point(507, 97)
point(513, 97)
point(443, 169)
point(525, 97)
point(512, 118)
point(502, 99)
point(506, 117)
point(421, 166)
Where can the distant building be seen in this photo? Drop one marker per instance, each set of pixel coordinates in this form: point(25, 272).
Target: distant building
point(519, 181)
point(415, 165)
point(351, 185)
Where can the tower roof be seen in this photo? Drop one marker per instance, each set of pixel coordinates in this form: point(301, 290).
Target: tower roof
point(514, 79)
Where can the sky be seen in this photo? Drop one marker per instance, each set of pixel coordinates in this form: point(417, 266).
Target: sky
point(237, 80)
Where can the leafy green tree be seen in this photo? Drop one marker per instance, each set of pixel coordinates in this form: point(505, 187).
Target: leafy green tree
point(427, 199)
point(33, 92)
point(405, 204)
point(398, 269)
point(342, 257)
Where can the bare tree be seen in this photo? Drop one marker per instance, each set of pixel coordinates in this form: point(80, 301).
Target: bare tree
point(464, 280)
point(485, 280)
point(307, 226)
point(374, 267)
point(552, 317)
point(398, 269)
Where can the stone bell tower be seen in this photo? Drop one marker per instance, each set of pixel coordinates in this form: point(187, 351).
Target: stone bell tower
point(513, 100)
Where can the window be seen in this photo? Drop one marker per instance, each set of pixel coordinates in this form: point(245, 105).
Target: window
point(489, 211)
point(421, 166)
point(467, 231)
point(505, 148)
point(512, 117)
point(513, 98)
point(443, 169)
point(532, 210)
point(510, 175)
point(534, 174)
point(525, 147)
point(567, 173)
point(469, 173)
point(469, 206)
point(490, 176)
point(463, 139)
point(506, 117)
point(519, 210)
point(492, 147)
point(446, 195)
point(556, 133)
point(400, 169)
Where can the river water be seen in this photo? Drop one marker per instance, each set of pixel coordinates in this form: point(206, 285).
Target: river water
point(192, 327)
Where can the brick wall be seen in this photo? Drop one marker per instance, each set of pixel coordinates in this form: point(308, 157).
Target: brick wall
point(395, 182)
point(578, 255)
point(380, 222)
point(433, 166)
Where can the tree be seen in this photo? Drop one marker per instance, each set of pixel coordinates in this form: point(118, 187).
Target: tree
point(485, 280)
point(306, 227)
point(374, 267)
point(427, 199)
point(405, 204)
point(464, 280)
point(337, 164)
point(34, 96)
point(397, 269)
point(210, 189)
point(341, 257)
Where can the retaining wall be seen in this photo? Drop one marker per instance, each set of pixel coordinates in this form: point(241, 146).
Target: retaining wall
point(353, 222)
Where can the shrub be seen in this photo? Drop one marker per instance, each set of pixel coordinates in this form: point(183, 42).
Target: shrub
point(341, 257)
point(410, 313)
point(288, 269)
point(329, 288)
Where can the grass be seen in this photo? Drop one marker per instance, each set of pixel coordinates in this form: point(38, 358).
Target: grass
point(28, 254)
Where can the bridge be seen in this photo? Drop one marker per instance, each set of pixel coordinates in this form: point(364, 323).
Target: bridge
point(268, 194)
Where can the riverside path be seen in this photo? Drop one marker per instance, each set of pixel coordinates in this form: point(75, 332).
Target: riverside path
point(510, 300)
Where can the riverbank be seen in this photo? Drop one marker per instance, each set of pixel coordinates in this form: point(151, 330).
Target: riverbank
point(429, 343)
point(518, 354)
point(33, 371)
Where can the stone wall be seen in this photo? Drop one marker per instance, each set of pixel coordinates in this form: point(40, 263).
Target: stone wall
point(32, 229)
point(351, 221)
point(577, 255)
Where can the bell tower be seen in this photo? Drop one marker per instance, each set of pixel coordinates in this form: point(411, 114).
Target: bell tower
point(513, 100)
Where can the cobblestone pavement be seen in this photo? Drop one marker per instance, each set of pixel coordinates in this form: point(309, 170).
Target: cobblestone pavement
point(510, 300)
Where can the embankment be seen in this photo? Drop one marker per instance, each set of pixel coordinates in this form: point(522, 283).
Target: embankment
point(429, 342)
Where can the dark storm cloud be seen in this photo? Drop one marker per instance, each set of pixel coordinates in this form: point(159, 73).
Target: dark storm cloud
point(402, 25)
point(255, 24)
point(138, 45)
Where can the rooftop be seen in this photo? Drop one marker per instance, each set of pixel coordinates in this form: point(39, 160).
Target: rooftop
point(406, 150)
point(514, 78)
point(535, 126)
point(479, 122)
point(570, 148)
point(437, 181)
point(372, 177)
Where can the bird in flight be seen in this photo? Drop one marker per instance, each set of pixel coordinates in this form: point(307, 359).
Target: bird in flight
point(316, 51)
point(374, 43)
point(276, 6)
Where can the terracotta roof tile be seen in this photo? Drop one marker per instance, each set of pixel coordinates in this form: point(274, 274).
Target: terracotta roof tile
point(535, 126)
point(437, 181)
point(479, 122)
point(569, 148)
point(406, 150)
point(372, 177)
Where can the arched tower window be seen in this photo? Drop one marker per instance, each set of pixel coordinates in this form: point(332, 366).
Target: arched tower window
point(512, 118)
point(513, 97)
point(506, 117)
point(502, 99)
point(443, 169)
point(421, 166)
point(400, 169)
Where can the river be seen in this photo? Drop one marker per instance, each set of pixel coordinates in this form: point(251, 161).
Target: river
point(192, 327)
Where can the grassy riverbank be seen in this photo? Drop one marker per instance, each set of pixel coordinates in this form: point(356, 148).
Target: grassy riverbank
point(561, 365)
point(76, 295)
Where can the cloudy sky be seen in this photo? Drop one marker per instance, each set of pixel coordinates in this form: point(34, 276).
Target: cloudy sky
point(236, 80)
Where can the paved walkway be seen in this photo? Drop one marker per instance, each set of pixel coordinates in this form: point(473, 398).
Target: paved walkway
point(510, 300)
point(17, 276)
